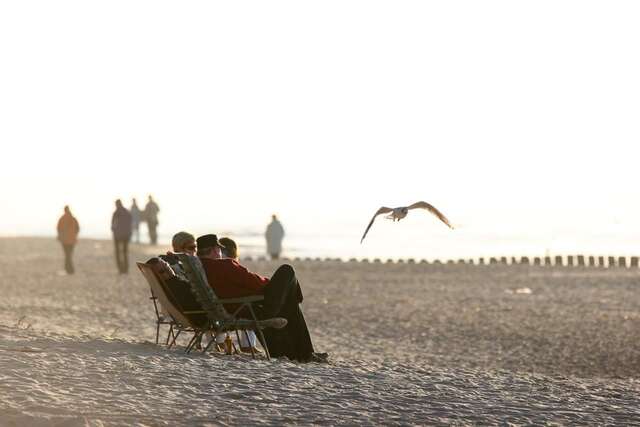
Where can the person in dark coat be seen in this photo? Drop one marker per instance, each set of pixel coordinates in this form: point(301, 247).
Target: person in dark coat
point(68, 229)
point(121, 229)
point(282, 295)
point(151, 211)
point(136, 218)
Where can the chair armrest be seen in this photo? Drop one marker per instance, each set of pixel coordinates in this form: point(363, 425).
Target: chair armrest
point(250, 299)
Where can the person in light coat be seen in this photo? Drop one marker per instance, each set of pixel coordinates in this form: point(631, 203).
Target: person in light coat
point(274, 236)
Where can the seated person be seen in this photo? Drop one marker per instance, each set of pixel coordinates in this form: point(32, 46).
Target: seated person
point(230, 248)
point(282, 295)
point(178, 289)
point(180, 242)
point(179, 292)
point(231, 251)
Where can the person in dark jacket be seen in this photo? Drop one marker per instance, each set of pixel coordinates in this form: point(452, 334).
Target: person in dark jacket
point(282, 298)
point(151, 210)
point(121, 229)
point(68, 229)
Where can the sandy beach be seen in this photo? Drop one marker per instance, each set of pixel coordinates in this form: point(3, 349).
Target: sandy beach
point(409, 344)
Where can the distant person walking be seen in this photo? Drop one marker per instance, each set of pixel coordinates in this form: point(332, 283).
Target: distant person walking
point(121, 228)
point(68, 229)
point(151, 216)
point(136, 217)
point(274, 236)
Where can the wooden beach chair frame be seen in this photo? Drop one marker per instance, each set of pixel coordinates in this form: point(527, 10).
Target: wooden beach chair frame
point(218, 319)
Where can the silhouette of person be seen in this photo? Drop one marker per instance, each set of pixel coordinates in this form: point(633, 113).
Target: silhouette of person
point(121, 228)
point(151, 216)
point(274, 236)
point(136, 217)
point(68, 229)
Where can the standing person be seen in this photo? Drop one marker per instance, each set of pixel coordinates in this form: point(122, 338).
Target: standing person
point(121, 228)
point(151, 216)
point(282, 298)
point(68, 229)
point(274, 236)
point(136, 217)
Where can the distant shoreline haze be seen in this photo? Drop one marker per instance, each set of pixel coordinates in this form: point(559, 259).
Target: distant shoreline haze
point(399, 243)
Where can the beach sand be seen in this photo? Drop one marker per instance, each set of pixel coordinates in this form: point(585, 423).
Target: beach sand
point(408, 344)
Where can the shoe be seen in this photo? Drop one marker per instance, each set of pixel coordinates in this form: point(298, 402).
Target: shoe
point(319, 357)
point(275, 323)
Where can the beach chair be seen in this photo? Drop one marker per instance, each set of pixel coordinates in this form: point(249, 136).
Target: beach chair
point(179, 318)
point(161, 319)
point(210, 315)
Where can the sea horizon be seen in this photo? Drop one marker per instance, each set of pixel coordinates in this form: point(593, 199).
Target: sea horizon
point(442, 246)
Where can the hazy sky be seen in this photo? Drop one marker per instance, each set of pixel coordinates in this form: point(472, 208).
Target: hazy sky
point(504, 114)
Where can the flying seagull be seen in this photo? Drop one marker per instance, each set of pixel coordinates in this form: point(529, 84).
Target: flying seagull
point(396, 214)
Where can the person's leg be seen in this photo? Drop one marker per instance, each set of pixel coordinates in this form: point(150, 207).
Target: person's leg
point(247, 340)
point(153, 234)
point(282, 296)
point(125, 256)
point(276, 292)
point(68, 259)
point(116, 245)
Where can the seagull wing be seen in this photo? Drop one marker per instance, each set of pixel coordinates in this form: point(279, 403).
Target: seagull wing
point(382, 210)
point(432, 209)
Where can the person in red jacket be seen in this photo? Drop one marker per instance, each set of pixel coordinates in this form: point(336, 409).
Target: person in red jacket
point(282, 296)
point(68, 230)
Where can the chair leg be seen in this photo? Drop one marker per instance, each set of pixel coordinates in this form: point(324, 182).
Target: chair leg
point(175, 337)
point(157, 331)
point(211, 342)
point(263, 341)
point(238, 338)
point(193, 342)
point(169, 334)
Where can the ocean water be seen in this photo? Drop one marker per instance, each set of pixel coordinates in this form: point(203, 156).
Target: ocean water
point(403, 241)
point(513, 234)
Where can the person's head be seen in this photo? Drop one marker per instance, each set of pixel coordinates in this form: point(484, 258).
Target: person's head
point(209, 246)
point(184, 242)
point(161, 268)
point(274, 217)
point(150, 198)
point(133, 201)
point(230, 248)
point(118, 204)
point(67, 210)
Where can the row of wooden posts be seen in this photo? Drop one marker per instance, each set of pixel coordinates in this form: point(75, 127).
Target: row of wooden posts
point(557, 261)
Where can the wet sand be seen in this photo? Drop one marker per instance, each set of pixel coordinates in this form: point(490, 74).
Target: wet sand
point(409, 344)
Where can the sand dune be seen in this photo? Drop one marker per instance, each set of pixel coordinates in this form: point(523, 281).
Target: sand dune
point(409, 344)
